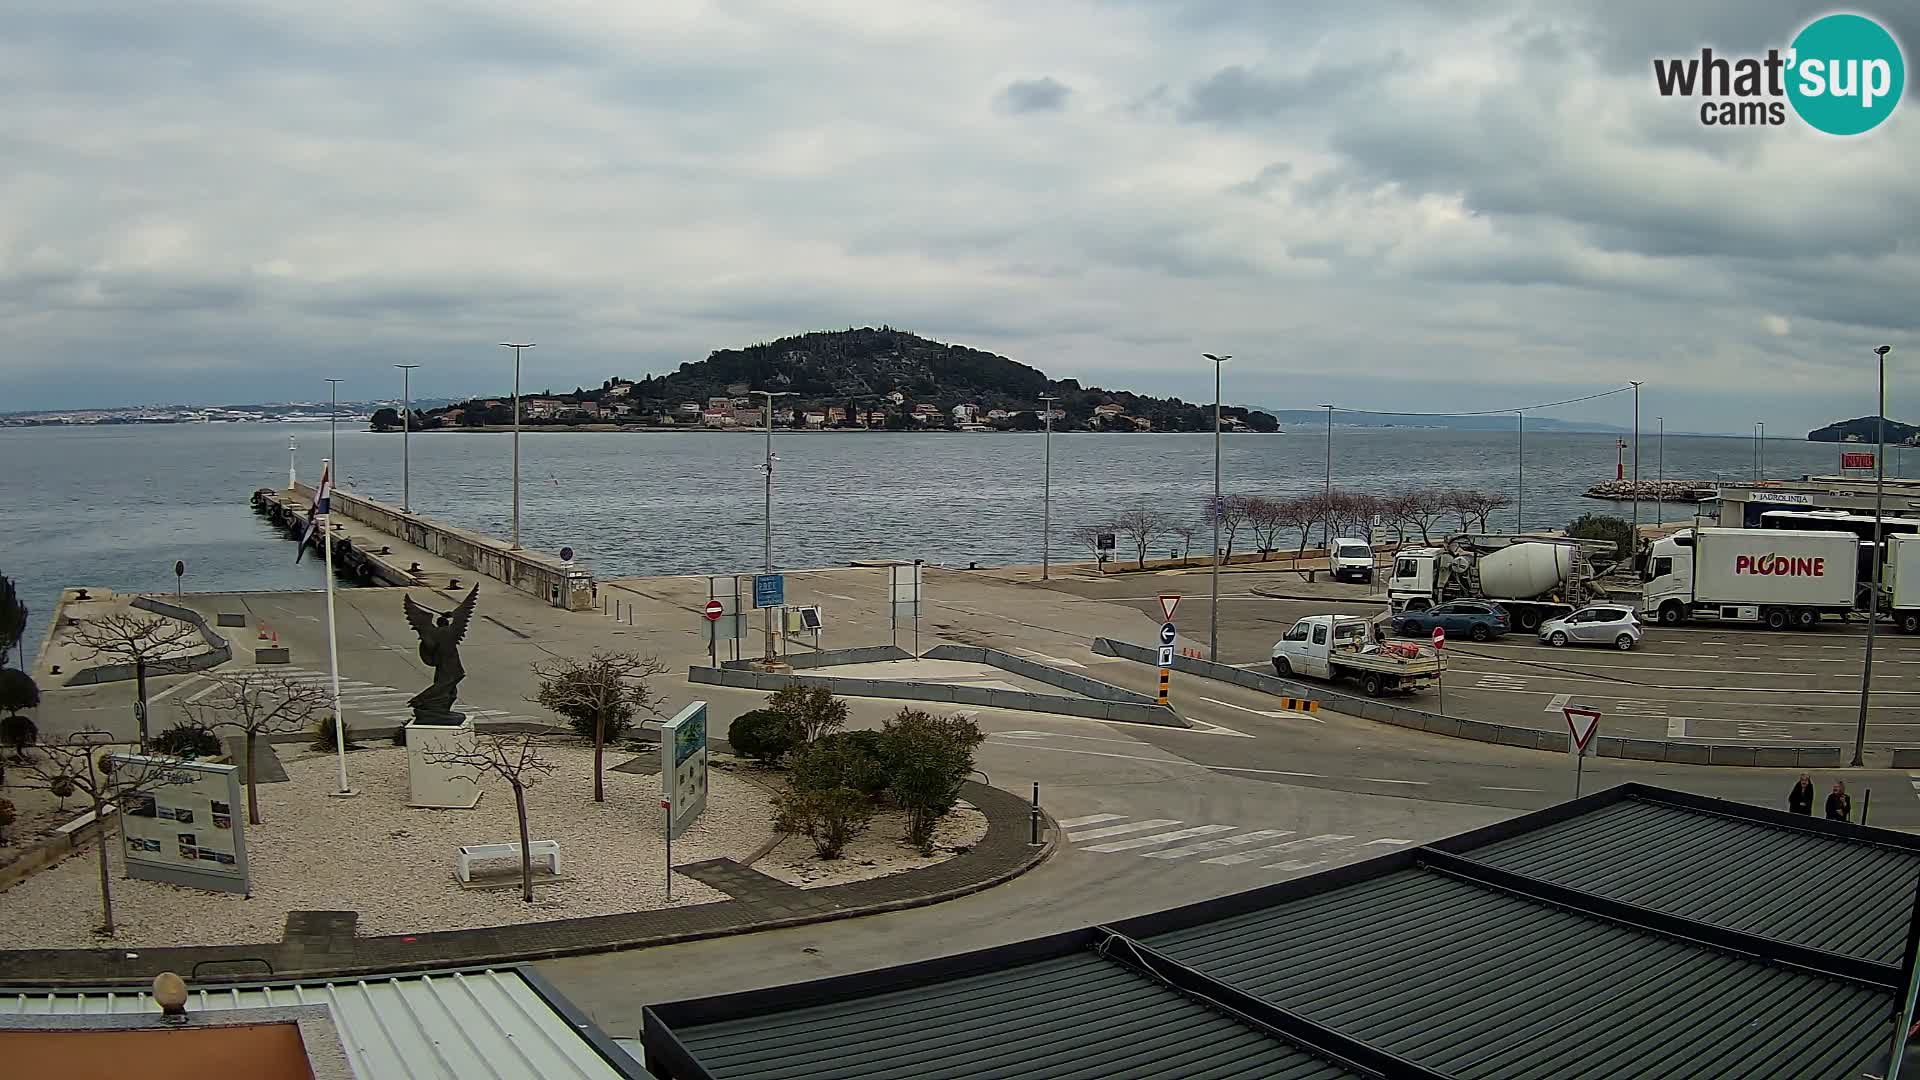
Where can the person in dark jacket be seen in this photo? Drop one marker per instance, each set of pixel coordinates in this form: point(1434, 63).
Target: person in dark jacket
point(1839, 803)
point(1800, 799)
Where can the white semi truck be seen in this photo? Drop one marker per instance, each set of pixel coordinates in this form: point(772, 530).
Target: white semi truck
point(1782, 578)
point(1900, 582)
point(1534, 578)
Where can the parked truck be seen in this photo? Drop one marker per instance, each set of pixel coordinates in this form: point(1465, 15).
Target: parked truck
point(1782, 578)
point(1900, 582)
point(1347, 648)
point(1534, 578)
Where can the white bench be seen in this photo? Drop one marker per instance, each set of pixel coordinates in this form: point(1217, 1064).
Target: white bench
point(547, 851)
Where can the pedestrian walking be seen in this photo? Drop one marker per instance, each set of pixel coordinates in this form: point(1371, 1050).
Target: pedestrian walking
point(1839, 803)
point(1800, 799)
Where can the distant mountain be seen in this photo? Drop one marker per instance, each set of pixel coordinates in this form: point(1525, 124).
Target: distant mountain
point(1504, 422)
point(1862, 429)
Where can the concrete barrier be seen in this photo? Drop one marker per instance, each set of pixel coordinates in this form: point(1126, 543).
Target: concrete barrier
point(1040, 673)
point(218, 651)
point(943, 693)
point(230, 618)
point(1459, 727)
point(871, 654)
point(1906, 759)
point(273, 654)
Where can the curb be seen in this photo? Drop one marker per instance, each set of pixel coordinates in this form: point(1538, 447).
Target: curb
point(180, 957)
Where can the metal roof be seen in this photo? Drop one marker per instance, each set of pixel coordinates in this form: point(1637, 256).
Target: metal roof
point(453, 1026)
point(1635, 933)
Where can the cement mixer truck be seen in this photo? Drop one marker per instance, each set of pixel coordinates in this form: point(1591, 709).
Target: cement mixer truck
point(1534, 578)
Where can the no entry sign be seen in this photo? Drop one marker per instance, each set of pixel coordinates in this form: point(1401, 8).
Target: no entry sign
point(1439, 637)
point(713, 610)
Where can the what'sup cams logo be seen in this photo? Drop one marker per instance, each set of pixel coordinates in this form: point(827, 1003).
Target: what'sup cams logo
point(1843, 74)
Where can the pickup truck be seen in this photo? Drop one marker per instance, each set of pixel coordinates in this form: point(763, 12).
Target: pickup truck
point(1343, 647)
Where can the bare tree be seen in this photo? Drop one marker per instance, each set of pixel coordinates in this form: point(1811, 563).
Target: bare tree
point(1423, 510)
point(1304, 512)
point(70, 768)
point(256, 702)
point(1184, 531)
point(127, 637)
point(1352, 511)
point(1268, 519)
point(1490, 501)
point(1232, 512)
point(513, 757)
point(1090, 535)
point(1141, 526)
point(602, 694)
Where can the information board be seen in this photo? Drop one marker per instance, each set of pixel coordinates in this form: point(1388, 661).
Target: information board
point(190, 831)
point(683, 767)
point(769, 590)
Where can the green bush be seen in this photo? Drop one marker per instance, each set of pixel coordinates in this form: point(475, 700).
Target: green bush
point(18, 732)
point(762, 735)
point(831, 818)
point(810, 711)
point(323, 734)
point(1604, 527)
point(186, 740)
point(927, 758)
point(618, 724)
point(848, 759)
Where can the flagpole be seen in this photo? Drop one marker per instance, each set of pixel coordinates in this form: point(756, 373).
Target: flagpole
point(333, 637)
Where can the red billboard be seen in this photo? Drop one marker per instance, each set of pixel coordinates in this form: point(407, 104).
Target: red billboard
point(1856, 460)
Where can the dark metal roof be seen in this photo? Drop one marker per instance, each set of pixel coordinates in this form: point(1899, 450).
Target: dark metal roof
point(1790, 884)
point(1635, 933)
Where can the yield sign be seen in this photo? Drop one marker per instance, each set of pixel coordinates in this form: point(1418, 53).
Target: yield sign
point(1582, 722)
point(1169, 601)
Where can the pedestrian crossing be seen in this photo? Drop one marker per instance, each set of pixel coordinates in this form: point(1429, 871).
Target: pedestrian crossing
point(1219, 844)
point(359, 698)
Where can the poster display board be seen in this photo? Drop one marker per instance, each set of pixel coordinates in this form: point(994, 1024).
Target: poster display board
point(190, 831)
point(683, 767)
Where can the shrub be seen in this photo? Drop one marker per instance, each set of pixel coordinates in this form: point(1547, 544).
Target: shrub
point(185, 740)
point(18, 732)
point(1604, 527)
point(618, 724)
point(762, 735)
point(927, 758)
point(842, 759)
point(810, 711)
point(323, 734)
point(6, 818)
point(61, 788)
point(831, 818)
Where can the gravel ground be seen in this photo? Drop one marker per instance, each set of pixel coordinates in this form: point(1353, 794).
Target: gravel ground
point(878, 852)
point(36, 813)
point(394, 864)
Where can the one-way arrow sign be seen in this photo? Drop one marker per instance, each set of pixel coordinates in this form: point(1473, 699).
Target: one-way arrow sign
point(1168, 634)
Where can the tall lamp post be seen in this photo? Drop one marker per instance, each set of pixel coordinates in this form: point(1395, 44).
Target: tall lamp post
point(1873, 598)
point(1326, 509)
point(1046, 487)
point(516, 437)
point(406, 424)
point(333, 431)
point(1213, 607)
point(1760, 448)
point(1633, 551)
point(1520, 463)
point(769, 395)
point(1660, 478)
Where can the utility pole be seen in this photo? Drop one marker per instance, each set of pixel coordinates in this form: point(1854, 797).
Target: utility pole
point(1660, 481)
point(1046, 488)
point(1633, 550)
point(1520, 460)
point(1326, 520)
point(406, 423)
point(1760, 448)
point(516, 438)
point(769, 395)
point(333, 431)
point(1213, 607)
point(1873, 598)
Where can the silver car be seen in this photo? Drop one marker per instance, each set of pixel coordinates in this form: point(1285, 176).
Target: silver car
point(1599, 624)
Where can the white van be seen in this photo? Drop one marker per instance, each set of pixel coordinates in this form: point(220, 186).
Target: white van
point(1350, 560)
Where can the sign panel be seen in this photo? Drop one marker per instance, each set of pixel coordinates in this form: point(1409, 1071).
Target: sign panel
point(769, 590)
point(1787, 497)
point(683, 768)
point(1104, 542)
point(189, 831)
point(904, 586)
point(724, 590)
point(1169, 601)
point(1582, 722)
point(1853, 459)
point(1168, 634)
point(1166, 656)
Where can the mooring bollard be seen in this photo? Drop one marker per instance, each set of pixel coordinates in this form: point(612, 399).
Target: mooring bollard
point(1033, 818)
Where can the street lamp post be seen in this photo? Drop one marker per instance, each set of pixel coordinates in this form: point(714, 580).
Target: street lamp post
point(769, 395)
point(1873, 598)
point(333, 431)
point(1660, 480)
point(406, 424)
point(1760, 448)
point(1634, 547)
point(516, 437)
point(1326, 509)
point(1213, 606)
point(1046, 488)
point(1520, 462)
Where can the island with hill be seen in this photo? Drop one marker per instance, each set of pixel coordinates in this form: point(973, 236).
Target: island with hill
point(1864, 429)
point(876, 379)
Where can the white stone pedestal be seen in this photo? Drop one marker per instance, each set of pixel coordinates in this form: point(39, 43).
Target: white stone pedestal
point(444, 786)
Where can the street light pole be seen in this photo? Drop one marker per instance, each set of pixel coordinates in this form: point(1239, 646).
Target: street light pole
point(1326, 510)
point(1046, 488)
point(1660, 481)
point(769, 395)
point(1520, 459)
point(1634, 547)
point(1760, 447)
point(1213, 606)
point(516, 438)
point(1873, 598)
point(406, 424)
point(333, 431)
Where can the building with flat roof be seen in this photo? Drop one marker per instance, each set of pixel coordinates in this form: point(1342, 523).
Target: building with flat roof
point(1739, 506)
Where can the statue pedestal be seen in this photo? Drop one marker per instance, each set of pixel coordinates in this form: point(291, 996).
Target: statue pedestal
point(448, 787)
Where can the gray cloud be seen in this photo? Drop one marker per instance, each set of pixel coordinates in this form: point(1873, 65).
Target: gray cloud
point(1046, 94)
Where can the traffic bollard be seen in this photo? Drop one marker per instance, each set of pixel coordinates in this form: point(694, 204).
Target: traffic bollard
point(1866, 804)
point(1033, 817)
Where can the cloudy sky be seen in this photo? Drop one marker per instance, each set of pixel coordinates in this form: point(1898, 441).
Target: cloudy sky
point(1396, 205)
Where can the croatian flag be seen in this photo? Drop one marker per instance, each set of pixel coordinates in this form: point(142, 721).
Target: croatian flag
point(320, 497)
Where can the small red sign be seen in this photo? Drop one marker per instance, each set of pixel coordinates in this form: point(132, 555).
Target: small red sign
point(1856, 460)
point(1439, 637)
point(713, 610)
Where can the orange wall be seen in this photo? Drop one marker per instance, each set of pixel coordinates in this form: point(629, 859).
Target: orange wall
point(257, 1051)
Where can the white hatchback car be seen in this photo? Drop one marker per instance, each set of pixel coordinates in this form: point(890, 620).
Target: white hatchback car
point(1596, 624)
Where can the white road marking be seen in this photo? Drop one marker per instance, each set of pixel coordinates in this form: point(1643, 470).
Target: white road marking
point(1163, 838)
point(1121, 830)
point(1261, 853)
point(1090, 819)
point(202, 693)
point(1558, 702)
point(1378, 780)
point(1277, 714)
point(1220, 844)
point(176, 688)
point(1371, 843)
point(1056, 661)
point(1530, 790)
point(837, 596)
point(1677, 729)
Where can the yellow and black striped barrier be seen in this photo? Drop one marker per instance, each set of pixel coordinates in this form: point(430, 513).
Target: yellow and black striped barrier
point(1165, 673)
point(1299, 704)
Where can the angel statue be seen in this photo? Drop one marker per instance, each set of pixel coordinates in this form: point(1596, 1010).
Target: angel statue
point(440, 636)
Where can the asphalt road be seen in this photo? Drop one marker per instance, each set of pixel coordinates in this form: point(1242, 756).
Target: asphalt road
point(1705, 683)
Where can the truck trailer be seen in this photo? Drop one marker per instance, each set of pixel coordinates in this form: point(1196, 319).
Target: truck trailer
point(1781, 578)
point(1900, 582)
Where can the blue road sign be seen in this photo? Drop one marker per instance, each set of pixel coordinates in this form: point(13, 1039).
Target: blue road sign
point(1167, 633)
point(769, 590)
